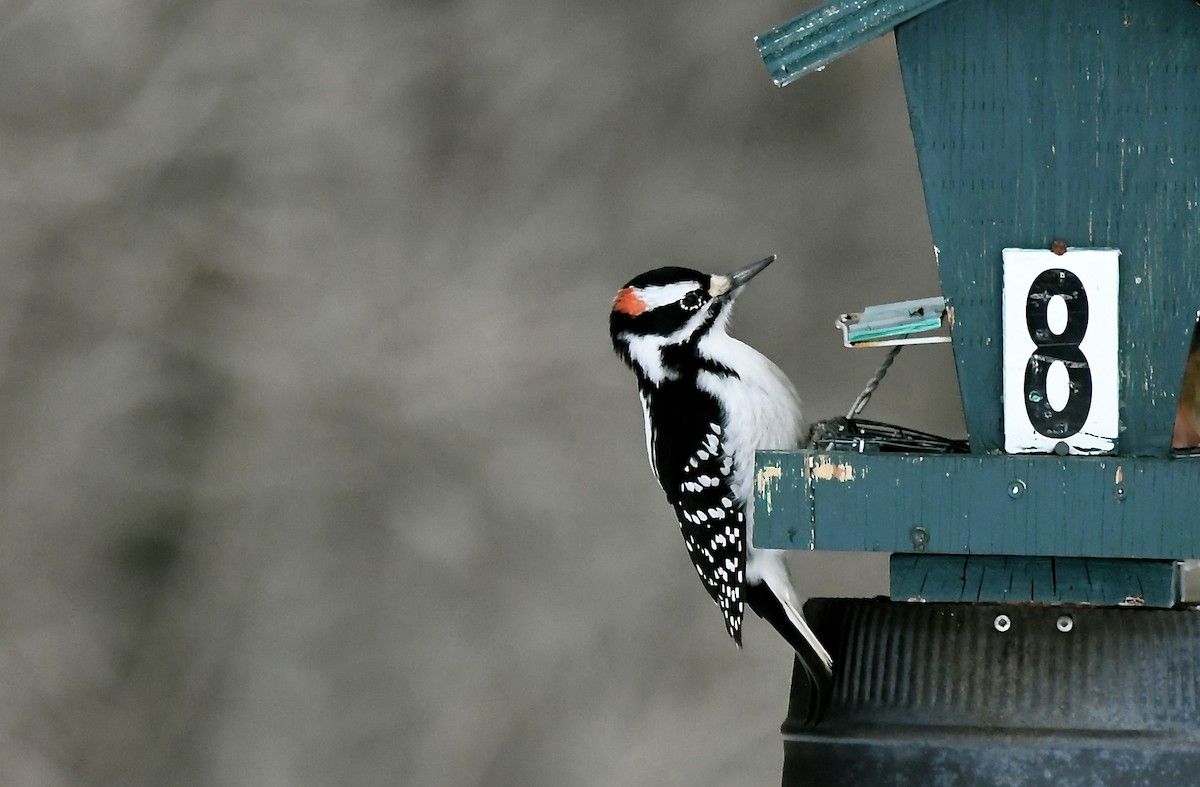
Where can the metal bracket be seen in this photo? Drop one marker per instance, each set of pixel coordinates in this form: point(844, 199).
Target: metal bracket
point(891, 324)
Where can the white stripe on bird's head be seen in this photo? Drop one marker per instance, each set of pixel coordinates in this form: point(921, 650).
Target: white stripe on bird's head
point(658, 295)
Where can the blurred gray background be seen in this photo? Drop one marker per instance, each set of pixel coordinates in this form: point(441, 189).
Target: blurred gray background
point(317, 465)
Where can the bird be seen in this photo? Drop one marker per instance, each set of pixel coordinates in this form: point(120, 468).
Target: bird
point(710, 401)
point(1187, 416)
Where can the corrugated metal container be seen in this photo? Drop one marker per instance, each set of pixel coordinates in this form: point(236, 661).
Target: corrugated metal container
point(1000, 694)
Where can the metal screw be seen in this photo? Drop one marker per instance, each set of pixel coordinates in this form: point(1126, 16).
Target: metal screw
point(1002, 623)
point(1059, 247)
point(1119, 493)
point(1061, 448)
point(1016, 488)
point(1065, 623)
point(920, 537)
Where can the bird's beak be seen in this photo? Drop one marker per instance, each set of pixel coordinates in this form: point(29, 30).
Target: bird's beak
point(729, 284)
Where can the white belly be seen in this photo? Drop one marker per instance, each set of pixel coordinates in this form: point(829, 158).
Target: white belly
point(763, 412)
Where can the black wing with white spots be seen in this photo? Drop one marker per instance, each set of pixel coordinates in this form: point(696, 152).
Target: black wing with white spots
point(714, 527)
point(688, 450)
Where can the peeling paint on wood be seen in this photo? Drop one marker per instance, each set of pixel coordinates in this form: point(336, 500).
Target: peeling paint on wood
point(986, 505)
point(822, 468)
point(763, 481)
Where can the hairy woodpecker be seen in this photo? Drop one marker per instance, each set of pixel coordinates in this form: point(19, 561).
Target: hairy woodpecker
point(709, 402)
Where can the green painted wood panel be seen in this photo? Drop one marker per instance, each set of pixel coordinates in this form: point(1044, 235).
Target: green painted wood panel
point(1044, 580)
point(827, 32)
point(1076, 120)
point(985, 505)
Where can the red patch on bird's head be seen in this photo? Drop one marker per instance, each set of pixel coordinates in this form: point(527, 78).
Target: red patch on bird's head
point(628, 302)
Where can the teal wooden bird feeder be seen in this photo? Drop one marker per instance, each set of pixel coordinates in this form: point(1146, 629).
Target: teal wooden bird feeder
point(1035, 632)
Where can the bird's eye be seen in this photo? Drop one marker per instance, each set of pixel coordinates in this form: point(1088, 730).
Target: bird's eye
point(692, 301)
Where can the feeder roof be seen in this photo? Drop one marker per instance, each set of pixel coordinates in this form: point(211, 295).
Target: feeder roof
point(829, 31)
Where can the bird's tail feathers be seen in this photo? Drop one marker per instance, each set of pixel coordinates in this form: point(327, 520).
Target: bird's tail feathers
point(777, 609)
point(810, 653)
point(801, 625)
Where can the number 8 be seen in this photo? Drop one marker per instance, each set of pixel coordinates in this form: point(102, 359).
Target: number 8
point(1052, 348)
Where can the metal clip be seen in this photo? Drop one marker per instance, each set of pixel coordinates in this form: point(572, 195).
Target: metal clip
point(891, 324)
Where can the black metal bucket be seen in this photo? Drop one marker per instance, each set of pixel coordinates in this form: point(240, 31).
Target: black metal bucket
point(999, 694)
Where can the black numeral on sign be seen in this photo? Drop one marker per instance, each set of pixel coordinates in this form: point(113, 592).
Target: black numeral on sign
point(1051, 348)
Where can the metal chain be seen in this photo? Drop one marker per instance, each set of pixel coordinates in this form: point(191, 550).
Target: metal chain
point(861, 402)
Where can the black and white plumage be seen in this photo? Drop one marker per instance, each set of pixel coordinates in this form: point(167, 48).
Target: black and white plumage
point(709, 402)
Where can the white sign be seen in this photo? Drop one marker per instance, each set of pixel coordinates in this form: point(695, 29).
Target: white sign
point(1060, 351)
